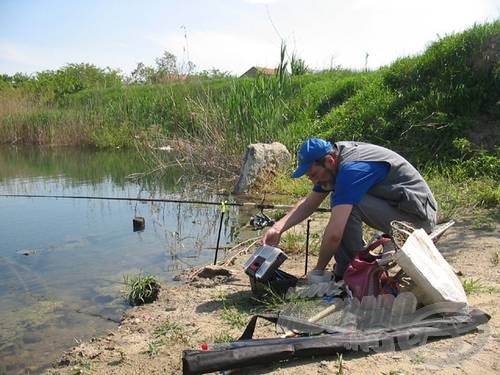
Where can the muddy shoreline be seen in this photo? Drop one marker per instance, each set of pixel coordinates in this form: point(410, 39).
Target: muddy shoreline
point(150, 339)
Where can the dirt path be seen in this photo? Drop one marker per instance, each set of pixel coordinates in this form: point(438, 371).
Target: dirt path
point(150, 339)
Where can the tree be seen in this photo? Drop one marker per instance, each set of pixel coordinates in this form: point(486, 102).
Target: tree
point(142, 74)
point(298, 66)
point(167, 64)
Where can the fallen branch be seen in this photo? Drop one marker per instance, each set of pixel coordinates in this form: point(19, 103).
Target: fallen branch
point(230, 261)
point(194, 272)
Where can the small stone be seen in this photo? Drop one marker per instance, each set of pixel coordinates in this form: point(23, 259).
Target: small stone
point(64, 362)
point(458, 272)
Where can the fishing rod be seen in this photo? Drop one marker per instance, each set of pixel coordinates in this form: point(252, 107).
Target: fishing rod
point(260, 206)
point(140, 225)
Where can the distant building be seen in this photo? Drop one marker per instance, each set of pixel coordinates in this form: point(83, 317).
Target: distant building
point(255, 70)
point(172, 77)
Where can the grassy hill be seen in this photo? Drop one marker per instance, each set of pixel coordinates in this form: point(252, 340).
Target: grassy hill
point(440, 109)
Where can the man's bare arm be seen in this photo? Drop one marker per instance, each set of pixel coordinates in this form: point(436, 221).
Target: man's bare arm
point(332, 236)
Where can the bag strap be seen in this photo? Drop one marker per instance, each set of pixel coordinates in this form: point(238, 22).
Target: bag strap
point(381, 241)
point(300, 324)
point(401, 226)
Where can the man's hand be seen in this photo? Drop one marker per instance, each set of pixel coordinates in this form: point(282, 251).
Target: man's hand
point(315, 273)
point(271, 237)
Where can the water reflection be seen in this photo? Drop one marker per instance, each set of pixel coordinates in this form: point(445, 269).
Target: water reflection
point(62, 261)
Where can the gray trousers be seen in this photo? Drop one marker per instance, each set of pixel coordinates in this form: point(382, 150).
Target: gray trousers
point(378, 214)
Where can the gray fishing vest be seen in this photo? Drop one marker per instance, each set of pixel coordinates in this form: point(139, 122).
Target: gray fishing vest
point(403, 186)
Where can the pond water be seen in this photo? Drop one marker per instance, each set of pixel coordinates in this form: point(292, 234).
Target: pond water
point(62, 261)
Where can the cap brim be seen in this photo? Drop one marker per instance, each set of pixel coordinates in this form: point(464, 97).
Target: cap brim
point(301, 170)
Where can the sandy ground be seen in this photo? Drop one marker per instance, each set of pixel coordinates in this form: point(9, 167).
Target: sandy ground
point(151, 338)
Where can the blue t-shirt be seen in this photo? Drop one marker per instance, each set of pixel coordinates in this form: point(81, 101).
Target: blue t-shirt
point(354, 179)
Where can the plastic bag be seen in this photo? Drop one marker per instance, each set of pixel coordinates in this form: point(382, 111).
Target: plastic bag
point(422, 261)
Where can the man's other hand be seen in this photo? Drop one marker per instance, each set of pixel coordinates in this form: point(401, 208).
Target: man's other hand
point(317, 276)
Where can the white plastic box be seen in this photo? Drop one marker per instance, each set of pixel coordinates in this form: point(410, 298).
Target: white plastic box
point(264, 262)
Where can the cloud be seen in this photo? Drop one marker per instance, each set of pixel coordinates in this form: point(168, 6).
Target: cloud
point(386, 29)
point(225, 51)
point(325, 33)
point(260, 1)
point(15, 57)
point(235, 37)
point(22, 58)
point(14, 53)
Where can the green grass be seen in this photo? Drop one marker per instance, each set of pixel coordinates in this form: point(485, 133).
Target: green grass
point(476, 286)
point(418, 360)
point(293, 242)
point(464, 197)
point(472, 285)
point(141, 289)
point(272, 301)
point(235, 311)
point(219, 295)
point(171, 330)
point(164, 333)
point(276, 302)
point(154, 347)
point(234, 317)
point(278, 214)
point(358, 105)
point(340, 361)
point(84, 368)
point(430, 108)
point(221, 338)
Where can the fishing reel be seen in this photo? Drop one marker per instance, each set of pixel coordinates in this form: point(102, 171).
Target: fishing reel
point(261, 220)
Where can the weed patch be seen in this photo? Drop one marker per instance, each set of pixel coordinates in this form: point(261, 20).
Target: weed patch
point(472, 286)
point(234, 317)
point(170, 330)
point(221, 338)
point(340, 363)
point(141, 289)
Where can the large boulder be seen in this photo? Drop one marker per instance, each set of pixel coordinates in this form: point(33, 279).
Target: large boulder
point(261, 159)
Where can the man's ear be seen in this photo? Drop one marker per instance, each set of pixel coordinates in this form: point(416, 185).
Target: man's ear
point(331, 161)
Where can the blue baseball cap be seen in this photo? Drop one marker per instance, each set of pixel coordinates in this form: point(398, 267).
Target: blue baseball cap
point(311, 150)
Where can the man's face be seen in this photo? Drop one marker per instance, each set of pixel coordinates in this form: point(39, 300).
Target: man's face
point(322, 175)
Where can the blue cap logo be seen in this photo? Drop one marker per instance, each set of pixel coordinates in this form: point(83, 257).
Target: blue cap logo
point(311, 150)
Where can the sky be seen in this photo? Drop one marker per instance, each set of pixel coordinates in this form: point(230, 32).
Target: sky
point(228, 35)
